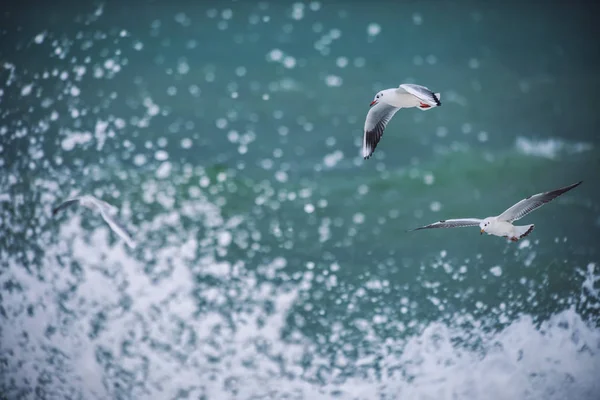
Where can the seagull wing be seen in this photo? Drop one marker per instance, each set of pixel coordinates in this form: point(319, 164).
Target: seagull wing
point(65, 204)
point(422, 93)
point(118, 228)
point(525, 206)
point(100, 205)
point(378, 117)
point(451, 223)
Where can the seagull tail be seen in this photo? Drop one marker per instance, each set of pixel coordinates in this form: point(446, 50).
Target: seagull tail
point(431, 104)
point(523, 231)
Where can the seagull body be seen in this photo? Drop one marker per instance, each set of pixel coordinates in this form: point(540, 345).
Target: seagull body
point(386, 103)
point(501, 225)
point(106, 210)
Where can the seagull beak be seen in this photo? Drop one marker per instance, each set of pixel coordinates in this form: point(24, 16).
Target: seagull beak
point(373, 103)
point(482, 232)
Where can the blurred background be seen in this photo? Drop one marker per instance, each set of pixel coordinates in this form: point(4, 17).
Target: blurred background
point(273, 262)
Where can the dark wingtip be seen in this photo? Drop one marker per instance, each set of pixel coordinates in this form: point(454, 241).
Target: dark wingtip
point(54, 211)
point(528, 232)
point(573, 186)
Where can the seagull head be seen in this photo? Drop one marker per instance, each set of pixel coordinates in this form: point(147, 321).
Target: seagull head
point(484, 224)
point(376, 99)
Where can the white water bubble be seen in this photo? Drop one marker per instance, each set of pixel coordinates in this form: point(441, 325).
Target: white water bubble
point(330, 160)
point(341, 62)
point(221, 123)
point(289, 62)
point(240, 71)
point(109, 64)
point(298, 11)
point(183, 67)
point(335, 34)
point(309, 208)
point(39, 38)
point(224, 238)
point(186, 143)
point(275, 55)
point(119, 123)
point(227, 13)
point(435, 206)
point(204, 181)
point(161, 155)
point(373, 29)
point(358, 218)
point(524, 243)
point(496, 271)
point(74, 139)
point(473, 63)
point(26, 90)
point(333, 81)
point(164, 170)
point(428, 178)
point(139, 160)
point(417, 19)
point(153, 110)
point(281, 176)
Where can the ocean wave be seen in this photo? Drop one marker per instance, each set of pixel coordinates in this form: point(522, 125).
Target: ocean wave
point(100, 325)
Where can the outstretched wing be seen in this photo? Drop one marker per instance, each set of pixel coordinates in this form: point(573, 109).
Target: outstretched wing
point(119, 229)
point(64, 205)
point(378, 117)
point(422, 93)
point(525, 206)
point(451, 223)
point(102, 205)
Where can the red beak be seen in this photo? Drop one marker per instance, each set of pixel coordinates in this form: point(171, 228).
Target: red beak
point(373, 103)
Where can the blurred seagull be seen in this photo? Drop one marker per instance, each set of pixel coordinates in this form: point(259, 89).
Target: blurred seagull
point(502, 224)
point(384, 106)
point(106, 210)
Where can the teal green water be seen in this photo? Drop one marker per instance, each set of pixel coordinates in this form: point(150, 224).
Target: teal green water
point(273, 262)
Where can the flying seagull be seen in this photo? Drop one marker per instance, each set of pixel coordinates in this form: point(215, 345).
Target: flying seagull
point(384, 106)
point(106, 210)
point(501, 225)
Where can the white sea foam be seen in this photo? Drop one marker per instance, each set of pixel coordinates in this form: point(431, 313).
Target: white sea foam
point(163, 342)
point(550, 148)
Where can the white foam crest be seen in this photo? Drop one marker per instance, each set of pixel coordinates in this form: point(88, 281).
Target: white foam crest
point(550, 148)
point(177, 335)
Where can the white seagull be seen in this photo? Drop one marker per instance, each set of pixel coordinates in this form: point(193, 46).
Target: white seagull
point(502, 224)
point(106, 210)
point(384, 106)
